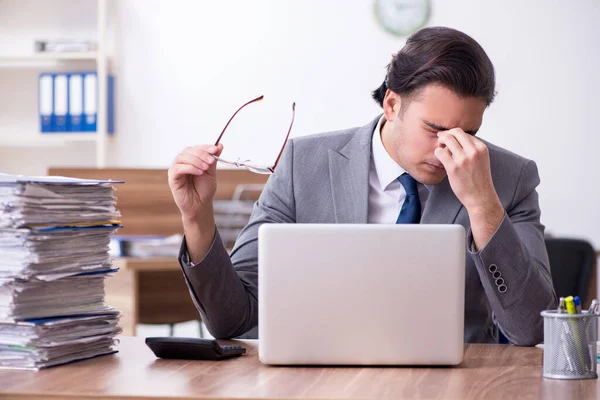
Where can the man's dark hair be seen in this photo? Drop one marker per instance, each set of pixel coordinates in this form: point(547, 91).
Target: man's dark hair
point(443, 56)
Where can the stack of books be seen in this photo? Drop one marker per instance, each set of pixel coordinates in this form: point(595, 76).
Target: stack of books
point(54, 257)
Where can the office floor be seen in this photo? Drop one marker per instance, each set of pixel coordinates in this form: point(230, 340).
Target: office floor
point(184, 329)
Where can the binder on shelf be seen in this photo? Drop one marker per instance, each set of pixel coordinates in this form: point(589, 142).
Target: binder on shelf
point(69, 102)
point(110, 106)
point(75, 112)
point(46, 102)
point(61, 102)
point(90, 101)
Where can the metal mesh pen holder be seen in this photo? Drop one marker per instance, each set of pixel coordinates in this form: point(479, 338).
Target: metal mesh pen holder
point(569, 345)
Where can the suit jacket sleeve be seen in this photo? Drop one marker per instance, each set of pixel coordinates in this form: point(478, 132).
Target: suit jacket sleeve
point(224, 287)
point(514, 268)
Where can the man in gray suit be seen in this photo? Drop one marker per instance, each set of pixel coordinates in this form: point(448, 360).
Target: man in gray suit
point(419, 162)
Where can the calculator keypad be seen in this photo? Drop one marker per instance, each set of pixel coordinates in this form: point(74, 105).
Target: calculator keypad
point(231, 348)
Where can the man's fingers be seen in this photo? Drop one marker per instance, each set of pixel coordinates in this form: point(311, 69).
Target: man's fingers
point(178, 173)
point(466, 141)
point(179, 170)
point(443, 154)
point(193, 160)
point(453, 146)
point(196, 160)
point(203, 153)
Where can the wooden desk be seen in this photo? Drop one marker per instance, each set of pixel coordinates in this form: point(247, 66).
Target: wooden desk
point(151, 291)
point(488, 372)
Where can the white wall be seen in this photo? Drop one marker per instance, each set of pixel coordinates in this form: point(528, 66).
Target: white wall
point(195, 62)
point(185, 66)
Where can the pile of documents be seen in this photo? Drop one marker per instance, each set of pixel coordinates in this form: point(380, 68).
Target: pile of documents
point(145, 246)
point(54, 242)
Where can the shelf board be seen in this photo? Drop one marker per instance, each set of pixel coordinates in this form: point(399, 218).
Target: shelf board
point(87, 56)
point(49, 140)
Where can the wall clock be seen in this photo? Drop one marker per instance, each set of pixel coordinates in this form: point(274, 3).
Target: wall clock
point(402, 17)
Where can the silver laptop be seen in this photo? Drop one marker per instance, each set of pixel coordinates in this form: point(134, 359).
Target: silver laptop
point(365, 294)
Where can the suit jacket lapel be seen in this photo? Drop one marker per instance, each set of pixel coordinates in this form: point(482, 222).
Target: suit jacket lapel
point(349, 173)
point(442, 206)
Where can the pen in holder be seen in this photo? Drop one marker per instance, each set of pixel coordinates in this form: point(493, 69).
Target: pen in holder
point(569, 345)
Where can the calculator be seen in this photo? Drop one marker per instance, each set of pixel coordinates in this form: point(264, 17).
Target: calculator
point(192, 348)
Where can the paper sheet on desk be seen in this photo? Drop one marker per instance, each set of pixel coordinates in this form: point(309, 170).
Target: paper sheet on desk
point(81, 294)
point(10, 343)
point(53, 277)
point(52, 273)
point(65, 217)
point(90, 309)
point(30, 360)
point(8, 178)
point(24, 204)
point(40, 194)
point(48, 250)
point(40, 343)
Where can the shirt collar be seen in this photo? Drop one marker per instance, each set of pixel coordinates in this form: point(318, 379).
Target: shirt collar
point(386, 168)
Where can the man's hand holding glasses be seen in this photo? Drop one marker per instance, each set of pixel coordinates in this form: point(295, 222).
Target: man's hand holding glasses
point(193, 183)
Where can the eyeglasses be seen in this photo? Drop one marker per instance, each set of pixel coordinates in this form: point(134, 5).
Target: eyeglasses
point(248, 164)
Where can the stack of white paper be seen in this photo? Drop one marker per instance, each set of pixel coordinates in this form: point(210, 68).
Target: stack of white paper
point(52, 202)
point(39, 343)
point(54, 244)
point(74, 295)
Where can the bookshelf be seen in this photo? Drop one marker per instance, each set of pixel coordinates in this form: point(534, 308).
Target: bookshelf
point(50, 140)
point(33, 58)
point(19, 131)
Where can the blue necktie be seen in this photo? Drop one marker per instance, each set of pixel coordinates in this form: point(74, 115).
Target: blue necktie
point(411, 209)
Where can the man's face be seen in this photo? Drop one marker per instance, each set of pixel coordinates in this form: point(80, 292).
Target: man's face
point(410, 137)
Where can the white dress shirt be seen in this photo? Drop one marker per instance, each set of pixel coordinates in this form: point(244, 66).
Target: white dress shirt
point(386, 193)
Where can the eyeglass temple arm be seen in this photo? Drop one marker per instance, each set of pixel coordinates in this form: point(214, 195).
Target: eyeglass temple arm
point(234, 114)
point(286, 138)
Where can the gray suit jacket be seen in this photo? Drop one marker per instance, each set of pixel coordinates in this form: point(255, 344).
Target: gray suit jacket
point(324, 179)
